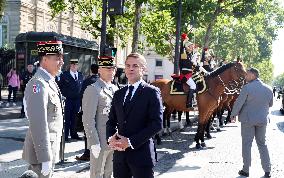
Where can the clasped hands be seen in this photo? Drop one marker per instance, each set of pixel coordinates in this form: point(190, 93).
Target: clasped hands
point(118, 142)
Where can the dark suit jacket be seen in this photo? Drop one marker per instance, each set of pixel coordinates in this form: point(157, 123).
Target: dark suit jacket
point(70, 88)
point(139, 123)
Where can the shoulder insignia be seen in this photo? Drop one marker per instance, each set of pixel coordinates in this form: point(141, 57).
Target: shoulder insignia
point(36, 88)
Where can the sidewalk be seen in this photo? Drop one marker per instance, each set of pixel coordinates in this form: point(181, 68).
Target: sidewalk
point(11, 109)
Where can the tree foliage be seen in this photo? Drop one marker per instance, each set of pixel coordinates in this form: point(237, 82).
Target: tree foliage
point(279, 80)
point(231, 28)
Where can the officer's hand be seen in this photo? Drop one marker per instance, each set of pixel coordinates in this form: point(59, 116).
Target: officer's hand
point(233, 119)
point(96, 149)
point(46, 168)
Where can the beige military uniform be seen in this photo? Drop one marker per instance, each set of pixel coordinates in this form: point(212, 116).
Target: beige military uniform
point(96, 105)
point(43, 106)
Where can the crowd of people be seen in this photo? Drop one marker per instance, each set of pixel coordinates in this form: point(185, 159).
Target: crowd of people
point(119, 123)
point(114, 140)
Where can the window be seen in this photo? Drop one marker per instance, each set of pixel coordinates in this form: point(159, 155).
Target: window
point(159, 63)
point(158, 77)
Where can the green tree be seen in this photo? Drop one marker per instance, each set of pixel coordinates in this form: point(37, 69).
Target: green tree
point(2, 7)
point(279, 80)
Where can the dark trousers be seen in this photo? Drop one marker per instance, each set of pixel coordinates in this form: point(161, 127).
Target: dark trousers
point(0, 92)
point(125, 170)
point(72, 107)
point(14, 90)
point(22, 110)
point(87, 151)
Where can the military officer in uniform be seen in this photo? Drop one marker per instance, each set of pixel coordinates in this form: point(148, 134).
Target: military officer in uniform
point(96, 106)
point(70, 84)
point(189, 60)
point(43, 106)
point(27, 75)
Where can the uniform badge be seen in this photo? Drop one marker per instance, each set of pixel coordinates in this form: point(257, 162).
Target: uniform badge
point(36, 88)
point(106, 110)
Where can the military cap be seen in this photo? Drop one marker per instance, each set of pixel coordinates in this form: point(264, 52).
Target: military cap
point(73, 61)
point(49, 48)
point(106, 61)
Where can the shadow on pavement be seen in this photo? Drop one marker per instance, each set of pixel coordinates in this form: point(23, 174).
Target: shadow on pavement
point(276, 113)
point(173, 148)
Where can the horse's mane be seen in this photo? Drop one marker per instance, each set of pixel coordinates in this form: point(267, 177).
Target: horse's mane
point(220, 70)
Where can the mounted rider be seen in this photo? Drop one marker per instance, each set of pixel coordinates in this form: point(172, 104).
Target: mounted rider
point(189, 60)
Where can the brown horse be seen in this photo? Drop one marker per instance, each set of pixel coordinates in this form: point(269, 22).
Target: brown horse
point(206, 101)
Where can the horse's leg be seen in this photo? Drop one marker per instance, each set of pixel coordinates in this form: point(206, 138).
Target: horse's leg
point(188, 123)
point(165, 121)
point(168, 118)
point(200, 136)
point(218, 124)
point(179, 120)
point(197, 138)
point(221, 118)
point(207, 128)
point(174, 115)
point(202, 127)
point(228, 118)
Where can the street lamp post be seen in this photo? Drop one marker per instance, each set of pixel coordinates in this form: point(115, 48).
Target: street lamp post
point(103, 32)
point(177, 50)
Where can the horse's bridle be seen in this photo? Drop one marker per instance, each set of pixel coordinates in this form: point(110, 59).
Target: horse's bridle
point(223, 83)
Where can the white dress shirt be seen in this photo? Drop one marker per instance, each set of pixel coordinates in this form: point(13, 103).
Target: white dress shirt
point(73, 74)
point(135, 85)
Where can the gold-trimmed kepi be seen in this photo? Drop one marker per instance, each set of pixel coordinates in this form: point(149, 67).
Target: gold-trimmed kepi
point(49, 48)
point(73, 61)
point(106, 61)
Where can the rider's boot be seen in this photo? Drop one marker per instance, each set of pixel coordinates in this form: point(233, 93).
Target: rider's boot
point(189, 98)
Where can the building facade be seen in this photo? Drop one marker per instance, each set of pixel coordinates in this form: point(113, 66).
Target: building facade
point(157, 67)
point(22, 16)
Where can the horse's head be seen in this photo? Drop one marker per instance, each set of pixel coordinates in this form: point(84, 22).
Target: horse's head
point(238, 72)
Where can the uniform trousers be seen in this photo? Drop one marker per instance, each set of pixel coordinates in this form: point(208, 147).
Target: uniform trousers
point(72, 107)
point(191, 83)
point(248, 132)
point(101, 167)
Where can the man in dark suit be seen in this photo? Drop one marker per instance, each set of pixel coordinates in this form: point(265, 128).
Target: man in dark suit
point(88, 81)
point(70, 84)
point(135, 117)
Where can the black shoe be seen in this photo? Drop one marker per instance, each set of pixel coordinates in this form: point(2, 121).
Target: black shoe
point(267, 174)
point(243, 173)
point(84, 157)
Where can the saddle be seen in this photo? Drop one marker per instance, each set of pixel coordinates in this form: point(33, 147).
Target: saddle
point(180, 88)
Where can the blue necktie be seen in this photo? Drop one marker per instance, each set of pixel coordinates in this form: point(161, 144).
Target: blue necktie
point(128, 97)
